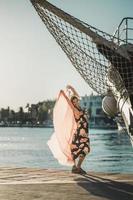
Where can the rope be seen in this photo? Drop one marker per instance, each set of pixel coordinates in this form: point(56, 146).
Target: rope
point(90, 50)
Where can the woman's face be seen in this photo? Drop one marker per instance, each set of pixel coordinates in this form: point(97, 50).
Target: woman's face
point(75, 102)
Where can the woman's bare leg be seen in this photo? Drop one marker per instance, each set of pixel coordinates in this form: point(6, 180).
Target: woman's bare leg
point(74, 167)
point(80, 161)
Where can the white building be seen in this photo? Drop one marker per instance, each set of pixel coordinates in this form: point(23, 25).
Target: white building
point(97, 118)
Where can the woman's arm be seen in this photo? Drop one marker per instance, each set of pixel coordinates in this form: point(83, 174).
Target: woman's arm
point(75, 111)
point(73, 90)
point(67, 99)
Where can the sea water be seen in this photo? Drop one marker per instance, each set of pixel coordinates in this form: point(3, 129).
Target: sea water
point(111, 151)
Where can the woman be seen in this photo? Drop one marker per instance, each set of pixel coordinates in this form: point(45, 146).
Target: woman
point(70, 142)
point(80, 146)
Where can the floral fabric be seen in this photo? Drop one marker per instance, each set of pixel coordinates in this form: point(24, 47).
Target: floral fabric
point(80, 143)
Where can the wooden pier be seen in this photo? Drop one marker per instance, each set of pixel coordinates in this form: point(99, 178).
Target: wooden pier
point(49, 184)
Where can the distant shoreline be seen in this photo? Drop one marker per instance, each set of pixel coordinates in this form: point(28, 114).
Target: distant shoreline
point(51, 126)
point(26, 126)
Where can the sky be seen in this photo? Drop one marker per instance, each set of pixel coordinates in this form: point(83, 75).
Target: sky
point(33, 67)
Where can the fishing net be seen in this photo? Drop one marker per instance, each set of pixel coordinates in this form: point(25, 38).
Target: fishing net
point(101, 60)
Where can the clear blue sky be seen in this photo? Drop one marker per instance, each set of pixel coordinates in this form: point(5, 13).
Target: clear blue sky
point(32, 66)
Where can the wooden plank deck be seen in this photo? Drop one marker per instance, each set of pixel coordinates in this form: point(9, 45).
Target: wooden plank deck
point(49, 184)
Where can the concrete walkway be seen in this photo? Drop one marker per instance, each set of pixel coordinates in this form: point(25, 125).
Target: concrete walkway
point(43, 184)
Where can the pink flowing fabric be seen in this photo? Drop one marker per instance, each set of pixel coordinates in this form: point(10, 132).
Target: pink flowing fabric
point(64, 128)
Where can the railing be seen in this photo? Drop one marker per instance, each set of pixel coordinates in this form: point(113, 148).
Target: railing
point(124, 32)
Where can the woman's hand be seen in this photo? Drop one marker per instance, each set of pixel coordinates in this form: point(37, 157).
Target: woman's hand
point(61, 91)
point(69, 87)
point(73, 90)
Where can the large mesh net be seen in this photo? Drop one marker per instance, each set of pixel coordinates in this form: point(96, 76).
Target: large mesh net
point(96, 55)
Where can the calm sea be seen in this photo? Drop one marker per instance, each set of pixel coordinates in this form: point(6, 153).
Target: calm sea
point(26, 147)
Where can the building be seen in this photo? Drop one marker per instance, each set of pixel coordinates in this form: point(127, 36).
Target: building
point(97, 118)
